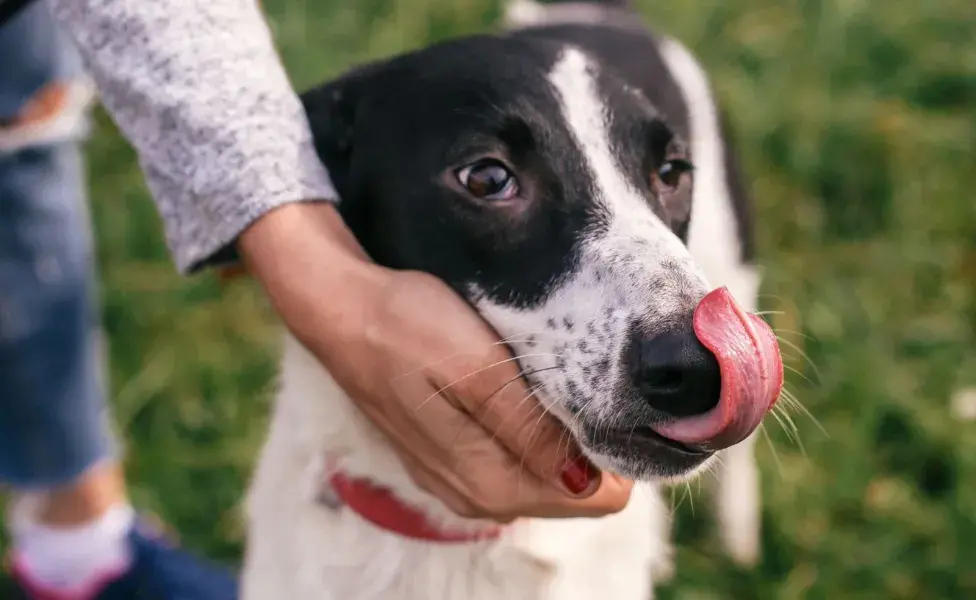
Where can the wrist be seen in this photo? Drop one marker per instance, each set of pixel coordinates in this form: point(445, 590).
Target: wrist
point(315, 272)
point(284, 225)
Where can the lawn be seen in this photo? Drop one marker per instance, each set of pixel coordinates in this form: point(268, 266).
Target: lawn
point(857, 122)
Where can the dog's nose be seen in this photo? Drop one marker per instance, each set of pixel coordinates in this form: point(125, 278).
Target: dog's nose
point(674, 373)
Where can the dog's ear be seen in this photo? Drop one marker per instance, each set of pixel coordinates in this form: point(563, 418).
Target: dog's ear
point(331, 117)
point(331, 110)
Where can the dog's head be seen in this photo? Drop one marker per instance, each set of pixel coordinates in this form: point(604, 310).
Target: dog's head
point(556, 199)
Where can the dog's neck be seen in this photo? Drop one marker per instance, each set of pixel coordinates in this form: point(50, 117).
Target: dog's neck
point(302, 545)
point(350, 466)
point(382, 508)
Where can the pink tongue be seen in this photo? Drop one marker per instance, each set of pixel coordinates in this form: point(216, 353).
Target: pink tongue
point(752, 374)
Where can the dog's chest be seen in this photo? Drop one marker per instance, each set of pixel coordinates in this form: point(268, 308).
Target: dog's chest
point(302, 550)
point(335, 555)
point(610, 557)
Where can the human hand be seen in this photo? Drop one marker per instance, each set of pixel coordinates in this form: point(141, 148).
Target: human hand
point(427, 371)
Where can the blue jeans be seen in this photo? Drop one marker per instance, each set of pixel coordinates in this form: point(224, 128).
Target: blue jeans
point(53, 422)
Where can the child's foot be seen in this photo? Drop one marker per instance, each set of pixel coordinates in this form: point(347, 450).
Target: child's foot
point(156, 570)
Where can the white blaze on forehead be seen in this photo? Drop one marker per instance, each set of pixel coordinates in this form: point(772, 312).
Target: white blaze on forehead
point(712, 198)
point(587, 117)
point(712, 237)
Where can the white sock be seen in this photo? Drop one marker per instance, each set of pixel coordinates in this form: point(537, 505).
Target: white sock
point(71, 557)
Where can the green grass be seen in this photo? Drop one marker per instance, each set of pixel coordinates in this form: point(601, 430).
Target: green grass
point(857, 122)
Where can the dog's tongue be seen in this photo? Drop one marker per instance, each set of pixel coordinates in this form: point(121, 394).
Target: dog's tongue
point(752, 374)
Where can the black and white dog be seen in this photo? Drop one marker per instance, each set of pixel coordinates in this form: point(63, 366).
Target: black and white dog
point(571, 180)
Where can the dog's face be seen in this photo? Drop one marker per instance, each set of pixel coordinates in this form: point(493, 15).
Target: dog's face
point(555, 199)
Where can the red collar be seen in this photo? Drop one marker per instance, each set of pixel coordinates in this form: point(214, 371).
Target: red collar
point(382, 508)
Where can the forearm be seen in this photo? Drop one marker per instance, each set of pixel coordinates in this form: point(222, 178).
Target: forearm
point(291, 245)
point(198, 89)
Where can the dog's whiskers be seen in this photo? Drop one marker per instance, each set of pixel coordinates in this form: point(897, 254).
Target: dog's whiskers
point(501, 342)
point(713, 466)
point(791, 401)
point(481, 370)
point(795, 435)
point(797, 372)
point(535, 425)
point(804, 355)
point(685, 493)
point(793, 332)
point(521, 470)
point(772, 449)
point(530, 392)
point(786, 424)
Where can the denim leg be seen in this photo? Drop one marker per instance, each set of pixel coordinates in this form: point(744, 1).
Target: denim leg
point(53, 422)
point(34, 52)
point(52, 410)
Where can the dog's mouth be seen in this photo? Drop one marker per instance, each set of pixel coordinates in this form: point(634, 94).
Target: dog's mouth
point(645, 440)
point(752, 376)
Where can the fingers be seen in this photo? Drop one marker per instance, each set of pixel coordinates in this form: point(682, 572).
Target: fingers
point(499, 400)
point(463, 465)
point(456, 473)
point(611, 496)
point(520, 494)
point(509, 493)
point(481, 490)
point(466, 506)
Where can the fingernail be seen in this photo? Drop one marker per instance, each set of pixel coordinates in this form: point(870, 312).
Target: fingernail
point(577, 474)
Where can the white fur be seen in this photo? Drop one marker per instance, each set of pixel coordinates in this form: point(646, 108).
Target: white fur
point(324, 554)
point(714, 243)
point(299, 549)
point(620, 270)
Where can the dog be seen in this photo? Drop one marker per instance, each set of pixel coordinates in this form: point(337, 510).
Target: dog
point(571, 180)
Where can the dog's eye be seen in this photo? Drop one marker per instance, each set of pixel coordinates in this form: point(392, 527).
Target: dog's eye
point(488, 180)
point(671, 171)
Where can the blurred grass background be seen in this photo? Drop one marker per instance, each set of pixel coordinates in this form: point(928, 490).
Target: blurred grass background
point(857, 122)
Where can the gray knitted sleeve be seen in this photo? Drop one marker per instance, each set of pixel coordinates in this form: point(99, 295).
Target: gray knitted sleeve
point(198, 89)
